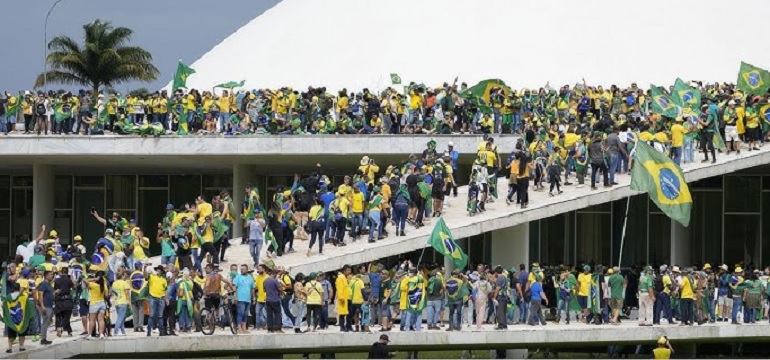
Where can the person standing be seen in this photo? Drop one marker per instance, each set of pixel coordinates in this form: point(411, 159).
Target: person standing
point(157, 285)
point(598, 162)
point(315, 294)
point(737, 285)
point(617, 286)
point(664, 349)
point(342, 299)
point(482, 289)
point(244, 297)
point(256, 227)
point(538, 296)
point(565, 290)
point(647, 296)
point(122, 294)
point(455, 293)
point(273, 292)
point(138, 285)
point(45, 302)
point(616, 149)
point(63, 301)
point(300, 300)
point(500, 298)
point(584, 291)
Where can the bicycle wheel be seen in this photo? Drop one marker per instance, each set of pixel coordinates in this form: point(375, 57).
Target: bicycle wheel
point(208, 325)
point(230, 321)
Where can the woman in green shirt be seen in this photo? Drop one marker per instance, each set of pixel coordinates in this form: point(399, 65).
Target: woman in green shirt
point(752, 294)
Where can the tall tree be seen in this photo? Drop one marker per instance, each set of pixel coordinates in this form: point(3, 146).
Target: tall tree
point(105, 59)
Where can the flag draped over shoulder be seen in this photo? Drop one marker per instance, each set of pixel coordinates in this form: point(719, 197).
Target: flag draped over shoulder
point(17, 312)
point(662, 103)
point(180, 77)
point(415, 294)
point(442, 240)
point(663, 180)
point(138, 285)
point(232, 84)
point(753, 80)
point(685, 96)
point(763, 111)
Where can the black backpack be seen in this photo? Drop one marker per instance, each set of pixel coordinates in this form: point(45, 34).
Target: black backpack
point(657, 284)
point(40, 109)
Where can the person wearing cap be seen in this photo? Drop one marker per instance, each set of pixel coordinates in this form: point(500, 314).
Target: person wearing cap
point(663, 294)
point(538, 296)
point(724, 302)
point(617, 286)
point(584, 291)
point(157, 285)
point(664, 350)
point(677, 140)
point(731, 121)
point(737, 286)
point(379, 350)
point(646, 296)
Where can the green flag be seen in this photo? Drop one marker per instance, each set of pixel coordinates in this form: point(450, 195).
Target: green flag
point(719, 141)
point(17, 312)
point(180, 77)
point(753, 80)
point(657, 175)
point(395, 79)
point(685, 96)
point(441, 239)
point(763, 111)
point(232, 84)
point(662, 103)
point(271, 239)
point(13, 108)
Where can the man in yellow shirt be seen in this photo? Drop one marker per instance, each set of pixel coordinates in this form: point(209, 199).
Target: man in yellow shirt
point(157, 290)
point(357, 207)
point(356, 301)
point(584, 290)
point(687, 295)
point(342, 298)
point(207, 241)
point(677, 140)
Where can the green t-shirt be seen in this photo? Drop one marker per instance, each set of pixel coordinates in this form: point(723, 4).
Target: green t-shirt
point(755, 287)
point(572, 281)
point(616, 286)
point(166, 248)
point(645, 283)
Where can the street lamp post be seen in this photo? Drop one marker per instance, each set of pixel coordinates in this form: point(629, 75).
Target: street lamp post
point(45, 45)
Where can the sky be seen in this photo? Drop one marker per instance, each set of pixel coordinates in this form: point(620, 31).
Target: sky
point(169, 29)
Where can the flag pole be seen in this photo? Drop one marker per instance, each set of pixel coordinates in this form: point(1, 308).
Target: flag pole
point(625, 218)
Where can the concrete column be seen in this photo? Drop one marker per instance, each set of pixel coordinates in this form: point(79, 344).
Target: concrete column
point(243, 175)
point(43, 187)
point(510, 246)
point(681, 244)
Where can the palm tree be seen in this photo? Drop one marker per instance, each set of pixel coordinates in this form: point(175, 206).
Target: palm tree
point(106, 59)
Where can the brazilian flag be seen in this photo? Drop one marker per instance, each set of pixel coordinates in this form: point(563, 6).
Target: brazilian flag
point(415, 300)
point(442, 240)
point(232, 84)
point(180, 77)
point(753, 80)
point(138, 285)
point(664, 181)
point(17, 312)
point(685, 96)
point(662, 103)
point(763, 111)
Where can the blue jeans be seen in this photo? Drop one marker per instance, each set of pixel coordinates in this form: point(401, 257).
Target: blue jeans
point(737, 306)
point(517, 124)
point(676, 155)
point(184, 317)
point(523, 310)
point(614, 162)
point(167, 260)
point(324, 321)
point(413, 319)
point(190, 118)
point(3, 124)
point(563, 304)
point(197, 259)
point(300, 313)
point(662, 303)
point(156, 314)
point(242, 312)
point(399, 215)
point(497, 117)
point(623, 162)
point(224, 117)
point(260, 314)
point(689, 150)
point(366, 318)
point(358, 223)
point(455, 314)
point(374, 224)
point(434, 309)
point(255, 247)
point(120, 325)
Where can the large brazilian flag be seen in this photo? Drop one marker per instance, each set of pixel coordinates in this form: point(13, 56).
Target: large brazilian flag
point(17, 312)
point(753, 80)
point(662, 103)
point(442, 240)
point(415, 300)
point(664, 181)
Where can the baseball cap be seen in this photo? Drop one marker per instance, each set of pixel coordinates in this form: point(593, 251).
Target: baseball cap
point(384, 338)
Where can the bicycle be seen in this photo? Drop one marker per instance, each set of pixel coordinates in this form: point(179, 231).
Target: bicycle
point(210, 317)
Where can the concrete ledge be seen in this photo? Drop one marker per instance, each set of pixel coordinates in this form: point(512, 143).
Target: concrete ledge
point(500, 216)
point(109, 145)
point(552, 336)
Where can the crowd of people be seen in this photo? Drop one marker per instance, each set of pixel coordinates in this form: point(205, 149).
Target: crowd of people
point(413, 109)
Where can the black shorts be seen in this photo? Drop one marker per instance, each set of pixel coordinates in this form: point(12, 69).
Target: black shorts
point(212, 301)
point(83, 307)
point(437, 193)
point(12, 334)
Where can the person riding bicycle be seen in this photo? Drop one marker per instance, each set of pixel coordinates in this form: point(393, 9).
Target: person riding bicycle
point(212, 288)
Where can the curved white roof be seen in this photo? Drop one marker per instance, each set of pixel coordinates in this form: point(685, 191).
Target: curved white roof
point(358, 43)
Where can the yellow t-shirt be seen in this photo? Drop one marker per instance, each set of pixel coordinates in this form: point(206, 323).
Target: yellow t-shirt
point(314, 292)
point(358, 202)
point(369, 170)
point(404, 287)
point(208, 235)
point(119, 288)
point(357, 286)
point(95, 293)
point(157, 286)
point(259, 283)
point(570, 139)
point(488, 157)
point(666, 284)
point(686, 289)
point(584, 284)
point(677, 135)
point(138, 252)
point(191, 105)
point(23, 285)
point(661, 353)
point(204, 209)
